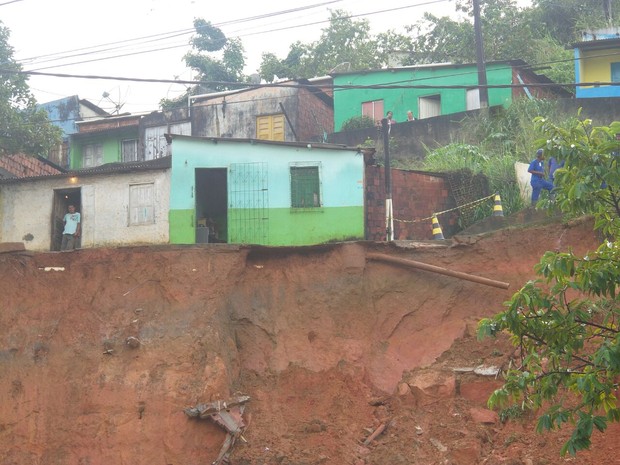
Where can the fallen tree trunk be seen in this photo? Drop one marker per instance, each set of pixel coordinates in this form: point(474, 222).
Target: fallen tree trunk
point(436, 269)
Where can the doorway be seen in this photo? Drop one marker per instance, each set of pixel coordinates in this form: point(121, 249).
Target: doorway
point(211, 205)
point(62, 199)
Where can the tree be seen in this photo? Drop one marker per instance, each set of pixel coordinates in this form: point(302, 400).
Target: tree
point(345, 45)
point(508, 33)
point(23, 127)
point(565, 20)
point(565, 323)
point(217, 74)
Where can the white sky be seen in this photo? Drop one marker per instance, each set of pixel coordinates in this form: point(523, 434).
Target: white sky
point(44, 33)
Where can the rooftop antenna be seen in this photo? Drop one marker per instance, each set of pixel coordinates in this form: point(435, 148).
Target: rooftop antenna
point(117, 105)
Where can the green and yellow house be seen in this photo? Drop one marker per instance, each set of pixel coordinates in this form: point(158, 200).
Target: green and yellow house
point(250, 191)
point(597, 63)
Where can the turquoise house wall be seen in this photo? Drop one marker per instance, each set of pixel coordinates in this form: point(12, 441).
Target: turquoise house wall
point(340, 217)
point(348, 102)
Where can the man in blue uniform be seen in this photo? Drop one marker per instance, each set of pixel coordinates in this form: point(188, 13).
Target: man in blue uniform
point(538, 181)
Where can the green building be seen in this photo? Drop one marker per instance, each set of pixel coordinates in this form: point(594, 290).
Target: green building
point(249, 191)
point(420, 89)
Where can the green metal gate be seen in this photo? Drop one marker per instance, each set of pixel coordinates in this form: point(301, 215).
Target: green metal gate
point(248, 203)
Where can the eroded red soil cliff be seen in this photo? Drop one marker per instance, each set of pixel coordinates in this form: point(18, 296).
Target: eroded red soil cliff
point(101, 350)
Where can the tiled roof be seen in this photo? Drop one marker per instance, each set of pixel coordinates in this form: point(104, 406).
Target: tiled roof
point(20, 165)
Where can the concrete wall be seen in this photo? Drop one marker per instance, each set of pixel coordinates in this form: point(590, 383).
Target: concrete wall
point(413, 136)
point(26, 210)
point(234, 115)
point(237, 116)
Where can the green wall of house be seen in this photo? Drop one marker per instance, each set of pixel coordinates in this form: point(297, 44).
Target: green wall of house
point(111, 146)
point(348, 102)
point(258, 204)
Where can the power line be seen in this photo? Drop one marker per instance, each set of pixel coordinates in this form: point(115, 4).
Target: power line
point(283, 84)
point(188, 31)
point(163, 36)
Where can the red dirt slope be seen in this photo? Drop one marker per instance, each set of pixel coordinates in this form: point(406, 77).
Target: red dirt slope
point(101, 350)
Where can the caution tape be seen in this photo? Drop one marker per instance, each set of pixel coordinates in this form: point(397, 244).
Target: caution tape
point(448, 211)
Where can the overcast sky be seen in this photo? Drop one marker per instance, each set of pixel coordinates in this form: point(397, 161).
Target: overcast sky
point(148, 38)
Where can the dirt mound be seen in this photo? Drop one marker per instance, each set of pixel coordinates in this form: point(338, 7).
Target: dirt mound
point(345, 360)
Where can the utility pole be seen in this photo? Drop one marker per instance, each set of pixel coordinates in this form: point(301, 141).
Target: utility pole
point(482, 74)
point(389, 212)
point(607, 12)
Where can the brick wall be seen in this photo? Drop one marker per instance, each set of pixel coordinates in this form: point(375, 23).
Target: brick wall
point(105, 125)
point(415, 197)
point(314, 117)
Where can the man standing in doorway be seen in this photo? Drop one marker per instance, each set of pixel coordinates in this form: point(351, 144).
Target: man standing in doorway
point(71, 233)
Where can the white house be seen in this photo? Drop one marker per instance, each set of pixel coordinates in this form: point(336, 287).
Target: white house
point(119, 203)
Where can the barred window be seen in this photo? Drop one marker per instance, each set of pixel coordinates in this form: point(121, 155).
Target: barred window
point(305, 187)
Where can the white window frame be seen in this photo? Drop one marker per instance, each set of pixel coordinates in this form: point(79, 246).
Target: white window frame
point(472, 99)
point(429, 106)
point(141, 204)
point(92, 155)
point(129, 146)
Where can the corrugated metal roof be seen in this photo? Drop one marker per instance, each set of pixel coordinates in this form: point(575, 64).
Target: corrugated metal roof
point(267, 142)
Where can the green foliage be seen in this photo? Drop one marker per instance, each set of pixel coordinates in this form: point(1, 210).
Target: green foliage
point(566, 19)
point(497, 167)
point(23, 127)
point(511, 412)
point(509, 129)
point(217, 72)
point(538, 34)
point(358, 122)
point(565, 323)
point(345, 45)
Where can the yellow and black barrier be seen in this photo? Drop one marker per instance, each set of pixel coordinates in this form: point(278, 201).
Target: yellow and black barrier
point(437, 232)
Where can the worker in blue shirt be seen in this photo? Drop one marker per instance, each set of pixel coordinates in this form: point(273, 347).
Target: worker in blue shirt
point(538, 181)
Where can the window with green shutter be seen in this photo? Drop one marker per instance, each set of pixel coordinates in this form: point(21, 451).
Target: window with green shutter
point(305, 186)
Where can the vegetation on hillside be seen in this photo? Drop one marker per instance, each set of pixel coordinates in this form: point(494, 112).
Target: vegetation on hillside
point(565, 323)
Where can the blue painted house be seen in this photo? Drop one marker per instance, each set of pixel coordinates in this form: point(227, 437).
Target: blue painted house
point(597, 62)
point(250, 191)
point(65, 113)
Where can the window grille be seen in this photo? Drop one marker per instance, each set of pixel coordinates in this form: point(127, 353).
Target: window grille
point(305, 187)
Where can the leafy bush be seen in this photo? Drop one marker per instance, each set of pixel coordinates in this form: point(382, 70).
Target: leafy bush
point(358, 122)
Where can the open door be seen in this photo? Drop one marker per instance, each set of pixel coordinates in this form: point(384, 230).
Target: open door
point(211, 205)
point(62, 199)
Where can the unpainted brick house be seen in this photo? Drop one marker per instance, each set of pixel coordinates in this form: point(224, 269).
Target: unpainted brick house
point(291, 111)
